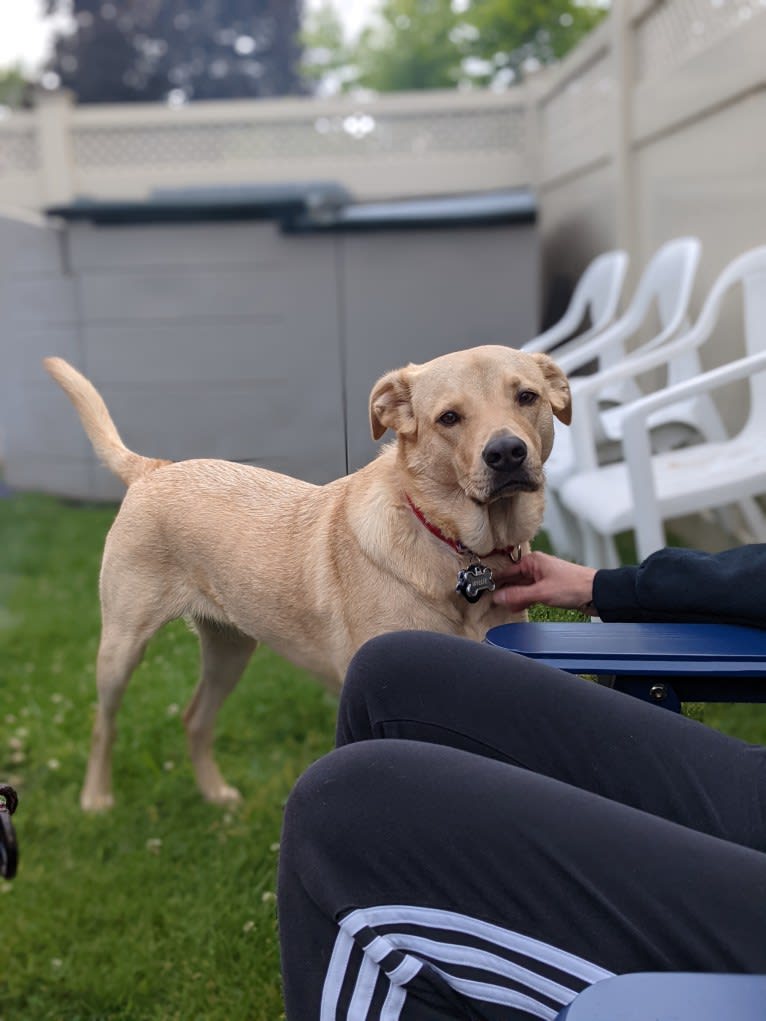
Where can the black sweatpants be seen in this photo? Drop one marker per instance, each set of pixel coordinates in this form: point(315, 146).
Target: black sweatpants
point(492, 835)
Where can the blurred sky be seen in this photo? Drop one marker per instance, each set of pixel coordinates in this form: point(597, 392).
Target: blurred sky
point(25, 36)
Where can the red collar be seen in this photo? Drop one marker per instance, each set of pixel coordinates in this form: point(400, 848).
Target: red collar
point(514, 552)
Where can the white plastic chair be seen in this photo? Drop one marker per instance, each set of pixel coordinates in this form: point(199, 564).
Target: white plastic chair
point(597, 294)
point(646, 489)
point(666, 284)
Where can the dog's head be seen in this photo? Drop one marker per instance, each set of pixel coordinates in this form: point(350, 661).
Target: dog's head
point(477, 422)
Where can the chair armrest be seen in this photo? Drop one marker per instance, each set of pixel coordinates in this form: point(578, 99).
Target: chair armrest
point(636, 442)
point(621, 330)
point(639, 411)
point(585, 391)
point(556, 334)
point(564, 333)
point(584, 353)
point(640, 361)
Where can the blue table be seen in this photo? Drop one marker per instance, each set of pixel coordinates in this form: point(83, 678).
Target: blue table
point(662, 663)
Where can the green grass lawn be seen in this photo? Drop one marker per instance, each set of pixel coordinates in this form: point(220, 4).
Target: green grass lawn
point(163, 908)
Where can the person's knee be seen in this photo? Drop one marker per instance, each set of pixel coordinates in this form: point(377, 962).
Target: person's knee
point(392, 663)
point(321, 801)
point(372, 668)
point(378, 659)
point(333, 805)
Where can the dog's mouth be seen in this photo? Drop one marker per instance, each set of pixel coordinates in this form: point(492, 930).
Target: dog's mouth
point(515, 484)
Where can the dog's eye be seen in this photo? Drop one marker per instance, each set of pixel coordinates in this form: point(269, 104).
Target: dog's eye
point(525, 397)
point(449, 418)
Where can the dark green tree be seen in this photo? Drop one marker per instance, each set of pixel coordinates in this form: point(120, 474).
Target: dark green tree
point(325, 51)
point(510, 35)
point(412, 46)
point(428, 44)
point(144, 50)
point(15, 88)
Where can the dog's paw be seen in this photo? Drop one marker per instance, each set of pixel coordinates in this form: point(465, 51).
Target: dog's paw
point(223, 794)
point(90, 802)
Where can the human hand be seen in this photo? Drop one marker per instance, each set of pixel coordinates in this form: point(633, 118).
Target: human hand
point(541, 578)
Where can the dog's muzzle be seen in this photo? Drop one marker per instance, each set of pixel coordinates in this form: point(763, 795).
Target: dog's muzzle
point(507, 458)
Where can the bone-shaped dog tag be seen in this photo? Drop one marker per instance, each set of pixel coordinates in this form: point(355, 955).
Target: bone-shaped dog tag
point(474, 581)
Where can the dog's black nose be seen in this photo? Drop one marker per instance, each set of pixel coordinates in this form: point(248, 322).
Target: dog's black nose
point(505, 453)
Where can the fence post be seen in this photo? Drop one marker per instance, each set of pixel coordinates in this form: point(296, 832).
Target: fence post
point(532, 87)
point(625, 196)
point(53, 115)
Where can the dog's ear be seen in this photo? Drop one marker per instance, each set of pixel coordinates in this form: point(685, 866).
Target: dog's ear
point(559, 394)
point(391, 405)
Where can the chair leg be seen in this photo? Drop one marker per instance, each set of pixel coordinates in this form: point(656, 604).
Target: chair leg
point(730, 520)
point(611, 556)
point(754, 517)
point(599, 550)
point(744, 520)
point(593, 550)
point(561, 528)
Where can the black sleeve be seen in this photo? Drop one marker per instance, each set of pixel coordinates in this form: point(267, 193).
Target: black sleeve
point(687, 585)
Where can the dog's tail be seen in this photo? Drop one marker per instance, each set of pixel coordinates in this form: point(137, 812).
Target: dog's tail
point(98, 424)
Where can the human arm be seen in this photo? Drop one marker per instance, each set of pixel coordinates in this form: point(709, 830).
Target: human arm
point(687, 585)
point(670, 585)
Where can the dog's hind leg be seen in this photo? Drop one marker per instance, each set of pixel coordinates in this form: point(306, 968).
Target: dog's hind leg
point(120, 651)
point(225, 652)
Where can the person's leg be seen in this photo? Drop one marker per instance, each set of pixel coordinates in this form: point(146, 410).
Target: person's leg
point(419, 882)
point(434, 688)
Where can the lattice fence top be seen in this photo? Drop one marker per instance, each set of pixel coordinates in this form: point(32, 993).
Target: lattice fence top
point(355, 135)
point(672, 32)
point(18, 150)
point(589, 95)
